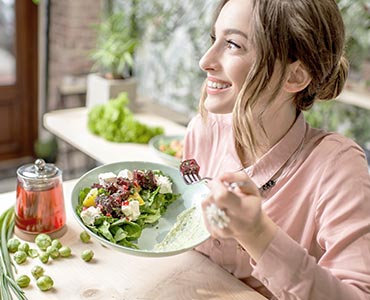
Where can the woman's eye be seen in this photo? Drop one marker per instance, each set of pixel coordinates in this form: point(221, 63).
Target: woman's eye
point(213, 38)
point(232, 45)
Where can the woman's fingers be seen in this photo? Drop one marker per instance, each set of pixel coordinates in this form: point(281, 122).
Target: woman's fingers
point(223, 197)
point(240, 181)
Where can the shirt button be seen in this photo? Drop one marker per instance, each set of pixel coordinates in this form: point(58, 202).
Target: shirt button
point(265, 282)
point(217, 243)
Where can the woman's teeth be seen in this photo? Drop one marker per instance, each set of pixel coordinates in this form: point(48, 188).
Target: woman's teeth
point(217, 85)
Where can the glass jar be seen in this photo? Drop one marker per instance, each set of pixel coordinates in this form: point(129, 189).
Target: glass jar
point(40, 202)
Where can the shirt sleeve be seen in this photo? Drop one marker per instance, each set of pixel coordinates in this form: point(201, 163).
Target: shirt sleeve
point(343, 233)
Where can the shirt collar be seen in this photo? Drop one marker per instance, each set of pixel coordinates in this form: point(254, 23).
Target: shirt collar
point(275, 159)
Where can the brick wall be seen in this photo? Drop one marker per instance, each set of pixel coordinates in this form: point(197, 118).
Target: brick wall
point(71, 37)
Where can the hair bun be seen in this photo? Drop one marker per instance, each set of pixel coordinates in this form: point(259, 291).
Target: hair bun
point(334, 82)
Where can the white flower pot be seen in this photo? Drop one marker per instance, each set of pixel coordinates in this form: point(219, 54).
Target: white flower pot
point(100, 90)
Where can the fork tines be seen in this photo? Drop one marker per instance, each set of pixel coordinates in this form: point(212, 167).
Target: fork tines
point(191, 178)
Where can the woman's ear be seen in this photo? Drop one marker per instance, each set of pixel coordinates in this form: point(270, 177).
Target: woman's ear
point(297, 78)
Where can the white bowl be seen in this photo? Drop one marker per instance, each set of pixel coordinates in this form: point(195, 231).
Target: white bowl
point(193, 231)
point(157, 140)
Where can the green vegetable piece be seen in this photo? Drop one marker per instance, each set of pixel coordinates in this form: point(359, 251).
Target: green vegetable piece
point(53, 252)
point(37, 271)
point(24, 247)
point(20, 257)
point(43, 241)
point(115, 122)
point(44, 257)
point(44, 283)
point(65, 251)
point(23, 281)
point(56, 243)
point(84, 237)
point(87, 255)
point(13, 245)
point(32, 253)
point(9, 288)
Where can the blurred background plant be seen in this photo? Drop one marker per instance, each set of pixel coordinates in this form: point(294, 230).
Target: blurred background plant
point(356, 16)
point(350, 120)
point(117, 39)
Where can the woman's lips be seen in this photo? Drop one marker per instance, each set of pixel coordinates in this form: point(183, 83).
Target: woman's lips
point(215, 87)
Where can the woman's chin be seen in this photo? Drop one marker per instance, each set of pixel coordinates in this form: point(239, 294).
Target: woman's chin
point(217, 108)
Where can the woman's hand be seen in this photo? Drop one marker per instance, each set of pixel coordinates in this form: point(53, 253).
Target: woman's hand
point(249, 225)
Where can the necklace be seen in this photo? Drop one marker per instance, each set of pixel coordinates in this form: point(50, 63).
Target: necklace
point(284, 169)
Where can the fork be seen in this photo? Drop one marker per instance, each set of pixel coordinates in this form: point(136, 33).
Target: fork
point(190, 173)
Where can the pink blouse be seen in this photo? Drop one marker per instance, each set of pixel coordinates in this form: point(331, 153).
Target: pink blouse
point(321, 203)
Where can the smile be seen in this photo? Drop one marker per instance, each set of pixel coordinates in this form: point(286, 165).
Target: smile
point(217, 85)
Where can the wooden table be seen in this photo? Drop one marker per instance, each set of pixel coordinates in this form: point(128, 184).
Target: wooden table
point(115, 275)
point(70, 125)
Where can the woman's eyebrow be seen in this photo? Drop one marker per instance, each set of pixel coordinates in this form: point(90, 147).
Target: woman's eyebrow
point(236, 31)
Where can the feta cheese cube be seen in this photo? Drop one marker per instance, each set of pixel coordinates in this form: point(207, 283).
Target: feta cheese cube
point(126, 174)
point(108, 177)
point(89, 215)
point(164, 183)
point(132, 210)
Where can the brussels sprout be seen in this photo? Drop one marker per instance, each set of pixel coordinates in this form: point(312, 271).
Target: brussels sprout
point(87, 255)
point(53, 252)
point(44, 282)
point(13, 245)
point(84, 237)
point(44, 257)
point(56, 243)
point(23, 281)
point(20, 257)
point(32, 253)
point(65, 251)
point(37, 271)
point(24, 247)
point(43, 241)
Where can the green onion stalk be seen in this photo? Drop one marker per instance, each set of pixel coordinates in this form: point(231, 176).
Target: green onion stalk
point(8, 287)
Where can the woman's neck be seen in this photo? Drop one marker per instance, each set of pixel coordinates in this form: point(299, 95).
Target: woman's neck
point(276, 125)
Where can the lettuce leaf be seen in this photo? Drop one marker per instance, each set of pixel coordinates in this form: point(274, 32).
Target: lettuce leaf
point(115, 122)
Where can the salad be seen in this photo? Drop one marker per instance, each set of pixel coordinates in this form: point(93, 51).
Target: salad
point(119, 206)
point(172, 147)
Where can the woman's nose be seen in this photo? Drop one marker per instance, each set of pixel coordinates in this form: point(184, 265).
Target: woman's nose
point(209, 60)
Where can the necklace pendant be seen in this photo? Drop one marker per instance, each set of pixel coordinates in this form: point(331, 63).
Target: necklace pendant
point(269, 184)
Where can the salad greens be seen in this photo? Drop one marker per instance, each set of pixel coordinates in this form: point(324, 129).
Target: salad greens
point(119, 207)
point(171, 147)
point(115, 122)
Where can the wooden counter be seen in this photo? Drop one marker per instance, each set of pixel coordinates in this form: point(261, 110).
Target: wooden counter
point(70, 125)
point(115, 275)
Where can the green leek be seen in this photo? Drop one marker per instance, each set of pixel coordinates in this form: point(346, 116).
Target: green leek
point(8, 286)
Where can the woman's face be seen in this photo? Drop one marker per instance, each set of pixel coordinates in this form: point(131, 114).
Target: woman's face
point(228, 61)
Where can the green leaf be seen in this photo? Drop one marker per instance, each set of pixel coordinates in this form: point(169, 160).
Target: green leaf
point(120, 234)
point(104, 231)
point(115, 122)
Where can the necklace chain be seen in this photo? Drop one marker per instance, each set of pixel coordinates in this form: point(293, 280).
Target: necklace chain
point(284, 169)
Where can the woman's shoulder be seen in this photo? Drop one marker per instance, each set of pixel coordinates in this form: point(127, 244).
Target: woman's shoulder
point(333, 148)
point(333, 140)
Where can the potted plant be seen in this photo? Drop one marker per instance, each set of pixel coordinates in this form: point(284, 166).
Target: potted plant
point(113, 58)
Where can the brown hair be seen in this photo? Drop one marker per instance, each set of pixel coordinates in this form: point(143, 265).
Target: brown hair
point(311, 31)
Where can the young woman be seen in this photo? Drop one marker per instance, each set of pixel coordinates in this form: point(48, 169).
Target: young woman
point(297, 224)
